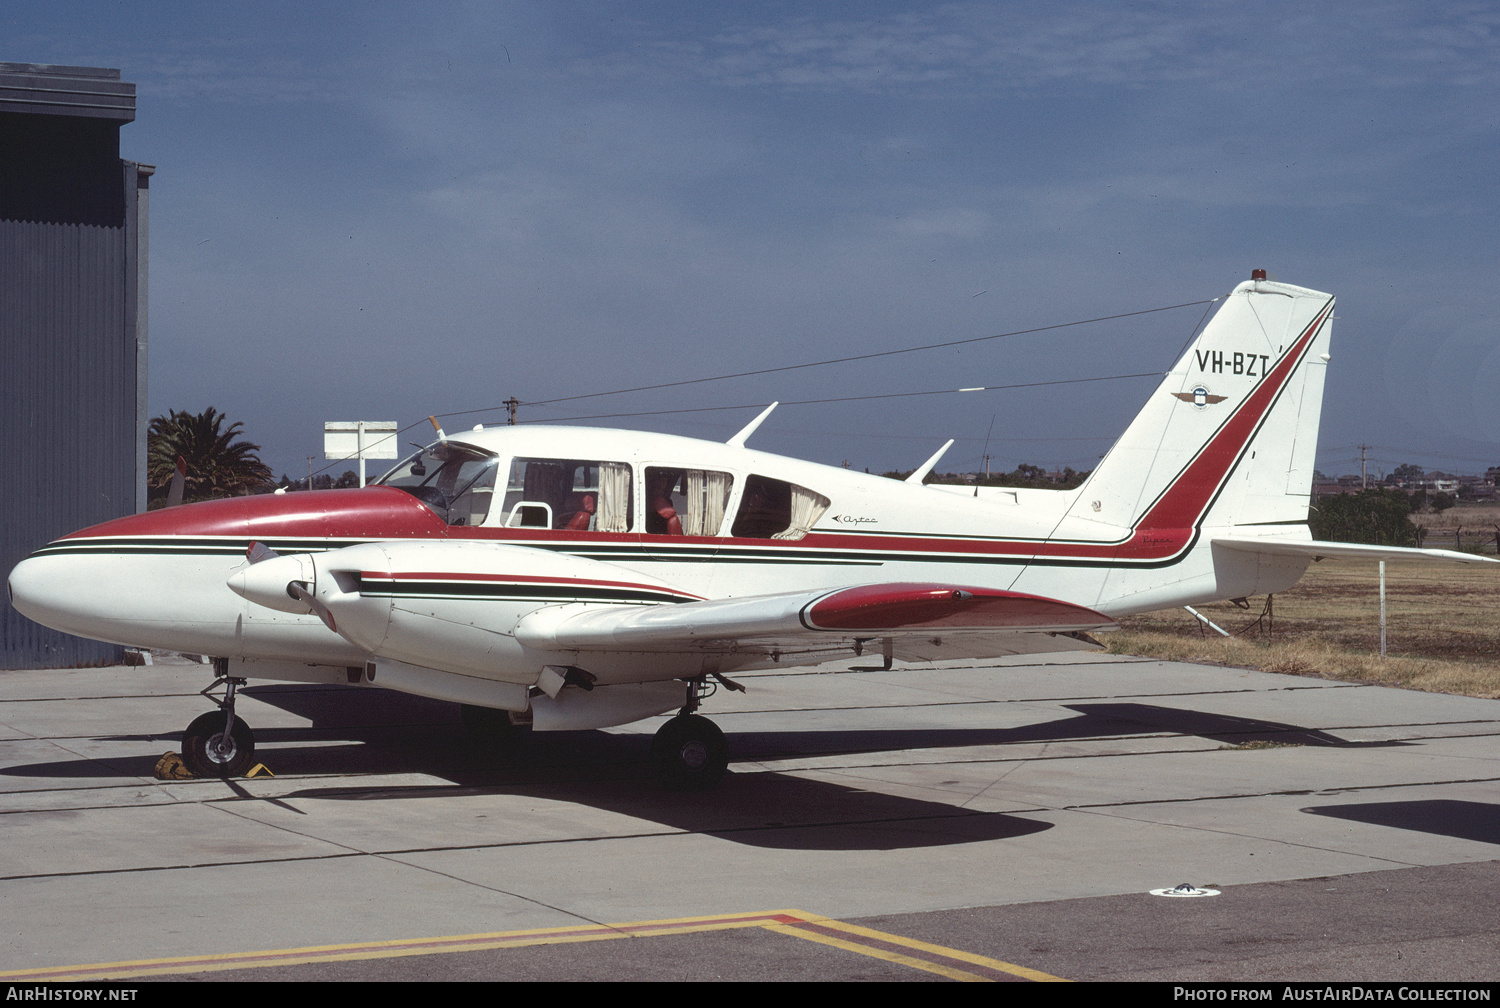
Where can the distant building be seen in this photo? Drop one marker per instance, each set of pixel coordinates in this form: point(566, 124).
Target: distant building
point(1324, 488)
point(72, 326)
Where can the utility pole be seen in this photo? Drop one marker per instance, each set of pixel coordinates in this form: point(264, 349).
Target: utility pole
point(510, 405)
point(1364, 481)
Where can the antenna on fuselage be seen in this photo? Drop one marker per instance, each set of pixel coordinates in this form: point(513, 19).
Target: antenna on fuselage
point(920, 472)
point(738, 441)
point(441, 436)
point(987, 434)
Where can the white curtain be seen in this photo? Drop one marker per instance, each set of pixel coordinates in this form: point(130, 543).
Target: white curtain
point(807, 508)
point(612, 512)
point(707, 498)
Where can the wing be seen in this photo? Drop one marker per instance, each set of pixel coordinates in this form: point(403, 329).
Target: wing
point(1358, 551)
point(920, 620)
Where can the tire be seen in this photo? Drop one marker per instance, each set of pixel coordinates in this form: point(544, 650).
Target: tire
point(689, 753)
point(207, 753)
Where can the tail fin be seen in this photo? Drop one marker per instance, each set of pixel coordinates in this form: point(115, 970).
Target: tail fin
point(1229, 436)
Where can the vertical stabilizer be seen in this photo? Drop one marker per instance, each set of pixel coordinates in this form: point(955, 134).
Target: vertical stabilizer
point(1228, 437)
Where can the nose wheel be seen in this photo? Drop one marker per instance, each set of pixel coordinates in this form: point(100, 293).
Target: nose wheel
point(689, 753)
point(210, 751)
point(218, 744)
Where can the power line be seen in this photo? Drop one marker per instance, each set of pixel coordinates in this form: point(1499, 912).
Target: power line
point(885, 395)
point(823, 363)
point(511, 404)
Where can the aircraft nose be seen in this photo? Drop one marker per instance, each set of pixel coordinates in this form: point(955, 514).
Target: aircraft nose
point(265, 583)
point(60, 592)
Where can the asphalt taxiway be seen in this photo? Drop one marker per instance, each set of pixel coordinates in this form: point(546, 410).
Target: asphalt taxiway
point(996, 820)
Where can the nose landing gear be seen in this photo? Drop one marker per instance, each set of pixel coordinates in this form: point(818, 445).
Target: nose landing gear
point(218, 744)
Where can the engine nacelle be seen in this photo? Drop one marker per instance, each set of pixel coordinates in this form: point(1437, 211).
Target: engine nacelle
point(444, 604)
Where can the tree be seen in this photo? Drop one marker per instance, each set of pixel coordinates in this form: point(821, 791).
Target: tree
point(1378, 517)
point(218, 465)
point(1408, 473)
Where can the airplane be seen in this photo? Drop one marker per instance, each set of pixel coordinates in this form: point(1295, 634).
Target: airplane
point(569, 578)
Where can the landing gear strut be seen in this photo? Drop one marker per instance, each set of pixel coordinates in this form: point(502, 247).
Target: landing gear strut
point(689, 752)
point(218, 744)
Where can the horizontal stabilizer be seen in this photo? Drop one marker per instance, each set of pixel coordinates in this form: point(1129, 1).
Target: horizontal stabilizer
point(1353, 551)
point(797, 620)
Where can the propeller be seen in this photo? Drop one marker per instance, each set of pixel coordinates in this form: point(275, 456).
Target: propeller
point(259, 551)
point(179, 480)
point(302, 592)
point(259, 591)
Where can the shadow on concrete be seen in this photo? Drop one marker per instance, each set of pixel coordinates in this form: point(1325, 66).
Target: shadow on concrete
point(769, 810)
point(1139, 718)
point(1465, 820)
point(378, 731)
point(365, 733)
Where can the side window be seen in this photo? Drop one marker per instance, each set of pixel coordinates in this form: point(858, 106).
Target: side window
point(686, 501)
point(571, 494)
point(772, 509)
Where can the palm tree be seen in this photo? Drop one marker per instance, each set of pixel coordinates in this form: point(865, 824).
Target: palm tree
point(217, 464)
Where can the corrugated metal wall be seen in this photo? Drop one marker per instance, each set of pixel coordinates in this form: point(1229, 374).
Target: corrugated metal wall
point(68, 351)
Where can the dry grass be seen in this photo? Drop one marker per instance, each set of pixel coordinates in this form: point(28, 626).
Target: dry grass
point(1478, 525)
point(1442, 629)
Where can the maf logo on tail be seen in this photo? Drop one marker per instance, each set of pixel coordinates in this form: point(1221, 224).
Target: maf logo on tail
point(1200, 397)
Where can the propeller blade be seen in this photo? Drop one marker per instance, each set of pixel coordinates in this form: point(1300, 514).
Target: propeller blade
point(299, 590)
point(179, 479)
point(259, 551)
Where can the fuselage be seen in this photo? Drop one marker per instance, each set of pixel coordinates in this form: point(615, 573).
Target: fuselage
point(485, 527)
point(744, 523)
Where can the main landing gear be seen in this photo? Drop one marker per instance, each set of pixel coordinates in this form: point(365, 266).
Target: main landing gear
point(689, 752)
point(218, 744)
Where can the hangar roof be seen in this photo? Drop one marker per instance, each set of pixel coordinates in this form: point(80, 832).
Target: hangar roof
point(48, 89)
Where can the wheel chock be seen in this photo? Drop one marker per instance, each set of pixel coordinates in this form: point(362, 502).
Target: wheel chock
point(259, 770)
point(171, 767)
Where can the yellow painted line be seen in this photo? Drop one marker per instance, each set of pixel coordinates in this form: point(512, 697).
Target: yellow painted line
point(941, 950)
point(878, 953)
point(797, 923)
point(398, 947)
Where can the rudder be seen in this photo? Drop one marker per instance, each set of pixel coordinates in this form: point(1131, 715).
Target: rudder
point(1229, 436)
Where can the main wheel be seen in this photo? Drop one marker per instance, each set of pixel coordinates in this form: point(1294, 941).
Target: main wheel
point(689, 753)
point(209, 751)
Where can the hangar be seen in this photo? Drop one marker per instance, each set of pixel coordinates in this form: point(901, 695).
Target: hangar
point(73, 242)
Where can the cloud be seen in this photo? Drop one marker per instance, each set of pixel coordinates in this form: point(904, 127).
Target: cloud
point(985, 47)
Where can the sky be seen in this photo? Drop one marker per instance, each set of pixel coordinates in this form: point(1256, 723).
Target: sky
point(381, 211)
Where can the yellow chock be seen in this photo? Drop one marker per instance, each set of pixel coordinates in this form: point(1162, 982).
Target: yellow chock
point(170, 767)
point(259, 770)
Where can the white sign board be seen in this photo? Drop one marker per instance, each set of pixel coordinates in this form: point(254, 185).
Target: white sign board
point(347, 439)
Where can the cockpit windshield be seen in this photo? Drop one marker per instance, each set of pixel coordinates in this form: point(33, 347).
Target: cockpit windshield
point(455, 480)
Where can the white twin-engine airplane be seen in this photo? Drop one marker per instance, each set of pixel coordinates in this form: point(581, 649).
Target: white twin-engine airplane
point(572, 578)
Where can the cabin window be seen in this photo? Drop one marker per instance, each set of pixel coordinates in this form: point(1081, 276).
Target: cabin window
point(455, 480)
point(772, 509)
point(686, 501)
point(574, 495)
